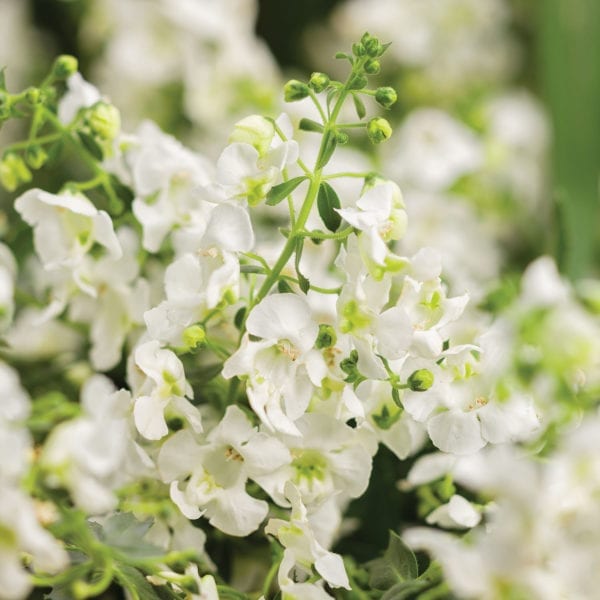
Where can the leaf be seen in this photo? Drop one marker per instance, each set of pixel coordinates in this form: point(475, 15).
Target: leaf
point(283, 190)
point(135, 583)
point(304, 283)
point(238, 319)
point(91, 145)
point(124, 533)
point(361, 111)
point(2, 79)
point(328, 148)
point(284, 287)
point(397, 565)
point(310, 125)
point(341, 55)
point(327, 202)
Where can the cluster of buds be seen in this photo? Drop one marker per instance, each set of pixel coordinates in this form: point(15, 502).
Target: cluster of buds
point(364, 61)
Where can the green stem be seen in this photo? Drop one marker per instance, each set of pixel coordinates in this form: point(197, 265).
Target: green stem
point(269, 578)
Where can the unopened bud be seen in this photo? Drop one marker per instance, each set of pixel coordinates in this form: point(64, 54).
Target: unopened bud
point(341, 137)
point(104, 121)
point(64, 66)
point(372, 45)
point(13, 172)
point(33, 96)
point(326, 338)
point(358, 49)
point(295, 90)
point(386, 96)
point(193, 337)
point(372, 66)
point(318, 82)
point(379, 130)
point(420, 380)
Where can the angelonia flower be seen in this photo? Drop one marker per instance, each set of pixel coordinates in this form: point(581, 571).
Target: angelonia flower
point(210, 366)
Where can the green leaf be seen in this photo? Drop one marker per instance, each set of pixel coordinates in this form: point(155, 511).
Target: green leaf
point(361, 111)
point(240, 315)
point(327, 202)
point(283, 190)
point(125, 533)
point(341, 55)
point(135, 583)
point(304, 283)
point(310, 125)
point(328, 147)
point(397, 565)
point(2, 79)
point(91, 145)
point(284, 287)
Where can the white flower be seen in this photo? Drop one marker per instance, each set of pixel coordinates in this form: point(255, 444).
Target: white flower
point(380, 217)
point(66, 227)
point(301, 547)
point(160, 384)
point(22, 533)
point(458, 513)
point(8, 272)
point(80, 94)
point(329, 458)
point(282, 368)
point(94, 454)
point(433, 150)
point(210, 478)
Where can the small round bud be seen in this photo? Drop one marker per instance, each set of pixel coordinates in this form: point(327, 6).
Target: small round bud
point(326, 338)
point(33, 96)
point(358, 82)
point(36, 157)
point(386, 96)
point(378, 130)
point(372, 66)
point(341, 137)
point(420, 380)
point(295, 90)
point(318, 82)
point(358, 49)
point(193, 336)
point(104, 121)
point(64, 66)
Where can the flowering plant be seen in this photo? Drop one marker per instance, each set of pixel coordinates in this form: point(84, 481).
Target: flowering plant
point(192, 404)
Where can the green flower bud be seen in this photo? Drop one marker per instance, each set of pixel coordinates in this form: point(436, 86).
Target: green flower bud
point(378, 130)
point(13, 172)
point(341, 137)
point(372, 66)
point(358, 49)
point(386, 96)
point(64, 66)
point(193, 337)
point(36, 157)
point(372, 45)
point(358, 82)
point(33, 96)
point(104, 121)
point(318, 82)
point(295, 90)
point(420, 380)
point(326, 338)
